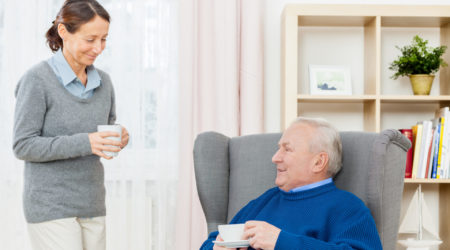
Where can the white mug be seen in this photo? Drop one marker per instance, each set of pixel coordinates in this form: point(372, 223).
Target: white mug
point(114, 128)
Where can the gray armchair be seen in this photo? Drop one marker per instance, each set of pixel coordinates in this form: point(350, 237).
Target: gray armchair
point(232, 171)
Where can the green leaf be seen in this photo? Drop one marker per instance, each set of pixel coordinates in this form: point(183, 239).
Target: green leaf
point(418, 58)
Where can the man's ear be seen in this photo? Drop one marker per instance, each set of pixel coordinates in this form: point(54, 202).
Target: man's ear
point(320, 162)
point(62, 31)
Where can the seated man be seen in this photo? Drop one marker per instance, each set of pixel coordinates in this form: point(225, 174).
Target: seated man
point(306, 210)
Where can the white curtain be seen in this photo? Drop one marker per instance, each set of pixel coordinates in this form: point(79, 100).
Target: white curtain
point(221, 71)
point(141, 57)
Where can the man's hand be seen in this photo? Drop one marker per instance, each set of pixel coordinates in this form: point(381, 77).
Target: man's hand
point(261, 234)
point(216, 247)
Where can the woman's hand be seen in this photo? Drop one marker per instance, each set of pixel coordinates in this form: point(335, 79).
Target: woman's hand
point(99, 143)
point(125, 137)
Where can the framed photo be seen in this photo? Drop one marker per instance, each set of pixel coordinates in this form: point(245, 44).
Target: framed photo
point(329, 80)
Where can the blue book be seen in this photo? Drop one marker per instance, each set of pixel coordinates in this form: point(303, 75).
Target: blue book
point(436, 151)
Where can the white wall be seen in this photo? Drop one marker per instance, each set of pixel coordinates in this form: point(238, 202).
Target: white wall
point(273, 10)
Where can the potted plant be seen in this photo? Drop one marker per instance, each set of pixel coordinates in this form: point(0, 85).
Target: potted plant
point(419, 63)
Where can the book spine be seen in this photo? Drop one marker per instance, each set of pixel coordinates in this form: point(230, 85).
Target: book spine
point(445, 166)
point(417, 151)
point(445, 147)
point(409, 155)
point(425, 148)
point(436, 150)
point(429, 157)
point(422, 150)
point(433, 148)
point(438, 170)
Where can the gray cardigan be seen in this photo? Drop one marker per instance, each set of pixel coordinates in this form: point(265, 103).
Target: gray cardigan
point(62, 178)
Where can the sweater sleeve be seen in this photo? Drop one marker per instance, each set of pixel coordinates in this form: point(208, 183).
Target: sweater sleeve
point(246, 213)
point(354, 233)
point(208, 244)
point(28, 144)
point(240, 217)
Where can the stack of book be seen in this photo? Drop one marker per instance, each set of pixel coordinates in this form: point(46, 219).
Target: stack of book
point(429, 156)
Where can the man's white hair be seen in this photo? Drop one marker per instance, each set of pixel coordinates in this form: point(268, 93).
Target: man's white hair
point(326, 139)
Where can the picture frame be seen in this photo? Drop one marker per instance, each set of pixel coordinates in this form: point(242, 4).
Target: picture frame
point(330, 80)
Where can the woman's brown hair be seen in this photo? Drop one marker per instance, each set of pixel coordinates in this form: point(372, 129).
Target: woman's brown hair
point(73, 14)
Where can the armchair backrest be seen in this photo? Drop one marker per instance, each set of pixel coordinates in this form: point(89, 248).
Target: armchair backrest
point(230, 172)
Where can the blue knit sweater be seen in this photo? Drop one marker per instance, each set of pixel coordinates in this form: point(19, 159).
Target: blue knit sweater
point(320, 218)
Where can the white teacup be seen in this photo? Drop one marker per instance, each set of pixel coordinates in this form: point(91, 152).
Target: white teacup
point(231, 232)
point(114, 128)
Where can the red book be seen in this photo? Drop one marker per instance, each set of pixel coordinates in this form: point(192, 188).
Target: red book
point(409, 155)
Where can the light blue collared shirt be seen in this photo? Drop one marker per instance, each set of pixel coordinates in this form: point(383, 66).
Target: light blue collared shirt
point(311, 186)
point(70, 81)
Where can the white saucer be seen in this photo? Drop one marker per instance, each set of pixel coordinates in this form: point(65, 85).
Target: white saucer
point(232, 244)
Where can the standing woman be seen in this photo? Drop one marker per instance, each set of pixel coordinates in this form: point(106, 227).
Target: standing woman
point(59, 104)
